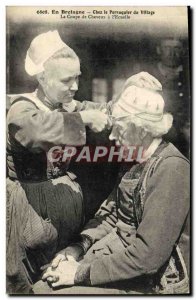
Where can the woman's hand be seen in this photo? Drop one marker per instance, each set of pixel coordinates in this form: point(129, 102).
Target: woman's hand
point(95, 119)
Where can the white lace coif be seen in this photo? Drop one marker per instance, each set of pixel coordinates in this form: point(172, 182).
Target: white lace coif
point(41, 49)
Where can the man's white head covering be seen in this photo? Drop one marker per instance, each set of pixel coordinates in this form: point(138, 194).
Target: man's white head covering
point(145, 106)
point(143, 103)
point(41, 49)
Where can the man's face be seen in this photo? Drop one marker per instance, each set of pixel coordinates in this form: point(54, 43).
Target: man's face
point(60, 81)
point(124, 132)
point(170, 52)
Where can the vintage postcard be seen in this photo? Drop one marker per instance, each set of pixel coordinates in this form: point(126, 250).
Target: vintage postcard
point(98, 148)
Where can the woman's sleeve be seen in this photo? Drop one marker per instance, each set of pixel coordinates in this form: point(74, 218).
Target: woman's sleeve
point(34, 128)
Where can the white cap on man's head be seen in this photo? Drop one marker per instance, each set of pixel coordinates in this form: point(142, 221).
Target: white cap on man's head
point(141, 96)
point(41, 49)
point(142, 103)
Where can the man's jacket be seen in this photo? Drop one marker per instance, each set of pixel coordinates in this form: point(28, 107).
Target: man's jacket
point(149, 211)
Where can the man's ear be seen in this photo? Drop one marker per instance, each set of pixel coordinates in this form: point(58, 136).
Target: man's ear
point(41, 78)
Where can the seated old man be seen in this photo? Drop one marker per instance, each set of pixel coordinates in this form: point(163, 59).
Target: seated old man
point(138, 241)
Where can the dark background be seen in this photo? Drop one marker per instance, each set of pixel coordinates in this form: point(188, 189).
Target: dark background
point(107, 52)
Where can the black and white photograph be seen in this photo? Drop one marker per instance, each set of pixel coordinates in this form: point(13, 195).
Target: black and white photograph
point(98, 150)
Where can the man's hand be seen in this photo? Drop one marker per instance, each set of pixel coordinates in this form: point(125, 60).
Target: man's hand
point(71, 253)
point(64, 274)
point(60, 256)
point(95, 119)
point(144, 80)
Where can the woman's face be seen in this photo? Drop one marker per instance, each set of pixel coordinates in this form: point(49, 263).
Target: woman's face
point(61, 78)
